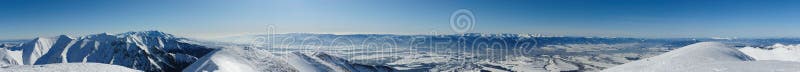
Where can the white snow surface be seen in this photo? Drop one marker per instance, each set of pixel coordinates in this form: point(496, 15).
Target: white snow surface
point(705, 57)
point(775, 52)
point(68, 67)
point(146, 50)
point(220, 61)
point(8, 57)
point(232, 58)
point(39, 47)
point(236, 58)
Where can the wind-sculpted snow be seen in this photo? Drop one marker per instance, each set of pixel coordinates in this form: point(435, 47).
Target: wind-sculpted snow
point(147, 51)
point(703, 57)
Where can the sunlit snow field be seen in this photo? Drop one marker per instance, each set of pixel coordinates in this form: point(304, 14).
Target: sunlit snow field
point(481, 52)
point(157, 51)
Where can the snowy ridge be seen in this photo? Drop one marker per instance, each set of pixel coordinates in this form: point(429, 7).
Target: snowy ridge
point(9, 58)
point(704, 56)
point(220, 61)
point(55, 53)
point(35, 49)
point(146, 50)
point(341, 64)
point(775, 52)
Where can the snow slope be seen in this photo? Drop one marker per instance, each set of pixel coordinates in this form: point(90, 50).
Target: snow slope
point(233, 58)
point(220, 61)
point(237, 60)
point(68, 67)
point(145, 50)
point(703, 57)
point(321, 61)
point(35, 49)
point(8, 57)
point(775, 52)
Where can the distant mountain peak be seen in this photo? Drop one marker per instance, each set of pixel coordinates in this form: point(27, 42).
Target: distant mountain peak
point(63, 36)
point(152, 33)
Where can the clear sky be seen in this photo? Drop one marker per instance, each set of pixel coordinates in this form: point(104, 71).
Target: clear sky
point(25, 19)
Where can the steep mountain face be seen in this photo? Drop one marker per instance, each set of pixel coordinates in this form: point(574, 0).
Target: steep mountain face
point(33, 50)
point(147, 50)
point(41, 48)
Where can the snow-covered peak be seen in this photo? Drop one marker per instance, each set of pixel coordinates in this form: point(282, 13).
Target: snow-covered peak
point(64, 37)
point(145, 50)
point(147, 34)
point(140, 34)
point(38, 47)
point(52, 38)
point(104, 36)
point(684, 58)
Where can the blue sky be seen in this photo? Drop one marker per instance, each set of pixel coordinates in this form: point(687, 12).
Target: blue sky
point(25, 19)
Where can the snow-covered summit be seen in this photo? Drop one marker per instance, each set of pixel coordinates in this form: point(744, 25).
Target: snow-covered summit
point(148, 34)
point(779, 52)
point(144, 50)
point(137, 34)
point(703, 57)
point(33, 50)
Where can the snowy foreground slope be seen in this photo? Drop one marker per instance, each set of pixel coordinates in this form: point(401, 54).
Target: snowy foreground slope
point(705, 57)
point(68, 67)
